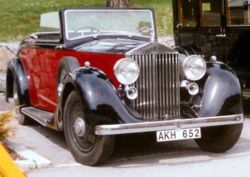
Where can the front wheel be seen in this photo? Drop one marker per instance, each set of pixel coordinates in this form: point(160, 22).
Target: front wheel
point(86, 147)
point(219, 139)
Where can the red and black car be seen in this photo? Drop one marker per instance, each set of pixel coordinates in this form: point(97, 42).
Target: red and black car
point(102, 73)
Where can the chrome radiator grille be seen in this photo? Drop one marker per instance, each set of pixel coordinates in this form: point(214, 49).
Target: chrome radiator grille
point(158, 86)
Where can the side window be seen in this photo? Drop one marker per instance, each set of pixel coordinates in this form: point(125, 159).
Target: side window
point(50, 22)
point(188, 13)
point(239, 13)
point(210, 13)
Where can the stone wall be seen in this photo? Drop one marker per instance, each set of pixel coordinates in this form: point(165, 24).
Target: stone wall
point(7, 51)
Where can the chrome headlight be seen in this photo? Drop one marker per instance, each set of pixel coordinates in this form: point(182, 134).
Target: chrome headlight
point(126, 71)
point(194, 67)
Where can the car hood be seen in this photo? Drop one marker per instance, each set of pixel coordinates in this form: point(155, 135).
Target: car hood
point(151, 48)
point(117, 46)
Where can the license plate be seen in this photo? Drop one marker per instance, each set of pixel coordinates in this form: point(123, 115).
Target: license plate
point(179, 134)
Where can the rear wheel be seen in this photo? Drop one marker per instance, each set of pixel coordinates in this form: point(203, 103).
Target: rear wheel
point(22, 119)
point(219, 139)
point(86, 147)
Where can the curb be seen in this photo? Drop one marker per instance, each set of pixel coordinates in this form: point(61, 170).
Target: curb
point(7, 167)
point(32, 159)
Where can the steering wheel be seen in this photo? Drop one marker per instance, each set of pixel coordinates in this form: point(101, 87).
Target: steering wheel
point(92, 30)
point(144, 29)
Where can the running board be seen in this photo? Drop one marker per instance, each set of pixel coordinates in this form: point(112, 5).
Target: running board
point(42, 117)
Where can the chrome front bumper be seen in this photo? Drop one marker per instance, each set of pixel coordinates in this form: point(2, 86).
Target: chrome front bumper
point(116, 129)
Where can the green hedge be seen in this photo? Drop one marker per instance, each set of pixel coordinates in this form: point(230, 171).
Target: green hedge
point(21, 17)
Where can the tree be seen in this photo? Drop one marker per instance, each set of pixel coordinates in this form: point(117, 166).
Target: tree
point(118, 3)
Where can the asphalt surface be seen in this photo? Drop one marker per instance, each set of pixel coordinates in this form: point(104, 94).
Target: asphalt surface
point(139, 155)
point(136, 156)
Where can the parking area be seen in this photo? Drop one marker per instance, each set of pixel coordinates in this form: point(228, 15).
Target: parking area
point(139, 155)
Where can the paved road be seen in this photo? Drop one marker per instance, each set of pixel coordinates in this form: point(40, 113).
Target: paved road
point(139, 155)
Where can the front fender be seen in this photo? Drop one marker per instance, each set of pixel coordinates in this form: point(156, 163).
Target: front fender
point(15, 72)
point(221, 91)
point(103, 103)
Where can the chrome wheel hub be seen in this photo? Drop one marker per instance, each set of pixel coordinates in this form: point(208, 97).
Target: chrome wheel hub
point(15, 98)
point(15, 95)
point(79, 127)
point(59, 89)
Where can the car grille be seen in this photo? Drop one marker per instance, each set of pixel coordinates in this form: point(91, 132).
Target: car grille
point(158, 87)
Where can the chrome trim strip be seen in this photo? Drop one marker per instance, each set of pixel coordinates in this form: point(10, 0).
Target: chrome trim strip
point(117, 129)
point(48, 40)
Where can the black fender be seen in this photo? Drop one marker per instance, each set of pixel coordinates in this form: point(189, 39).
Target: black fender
point(15, 72)
point(100, 97)
point(221, 91)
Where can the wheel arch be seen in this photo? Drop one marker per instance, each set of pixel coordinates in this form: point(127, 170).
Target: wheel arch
point(69, 63)
point(221, 96)
point(221, 91)
point(16, 73)
point(66, 66)
point(103, 103)
point(68, 88)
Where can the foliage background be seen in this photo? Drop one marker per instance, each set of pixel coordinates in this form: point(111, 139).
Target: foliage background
point(19, 18)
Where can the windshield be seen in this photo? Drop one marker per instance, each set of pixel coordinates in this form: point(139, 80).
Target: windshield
point(88, 22)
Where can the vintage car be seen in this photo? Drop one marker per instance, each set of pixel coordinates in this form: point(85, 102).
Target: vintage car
point(102, 73)
point(218, 28)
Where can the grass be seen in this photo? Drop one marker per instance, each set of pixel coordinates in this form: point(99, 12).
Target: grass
point(163, 13)
point(21, 17)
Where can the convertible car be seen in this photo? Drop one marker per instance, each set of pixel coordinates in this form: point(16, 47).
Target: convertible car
point(98, 73)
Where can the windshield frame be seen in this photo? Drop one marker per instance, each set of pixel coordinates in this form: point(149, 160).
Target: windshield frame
point(64, 30)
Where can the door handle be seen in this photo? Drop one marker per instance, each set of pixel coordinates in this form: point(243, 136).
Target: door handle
point(222, 35)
